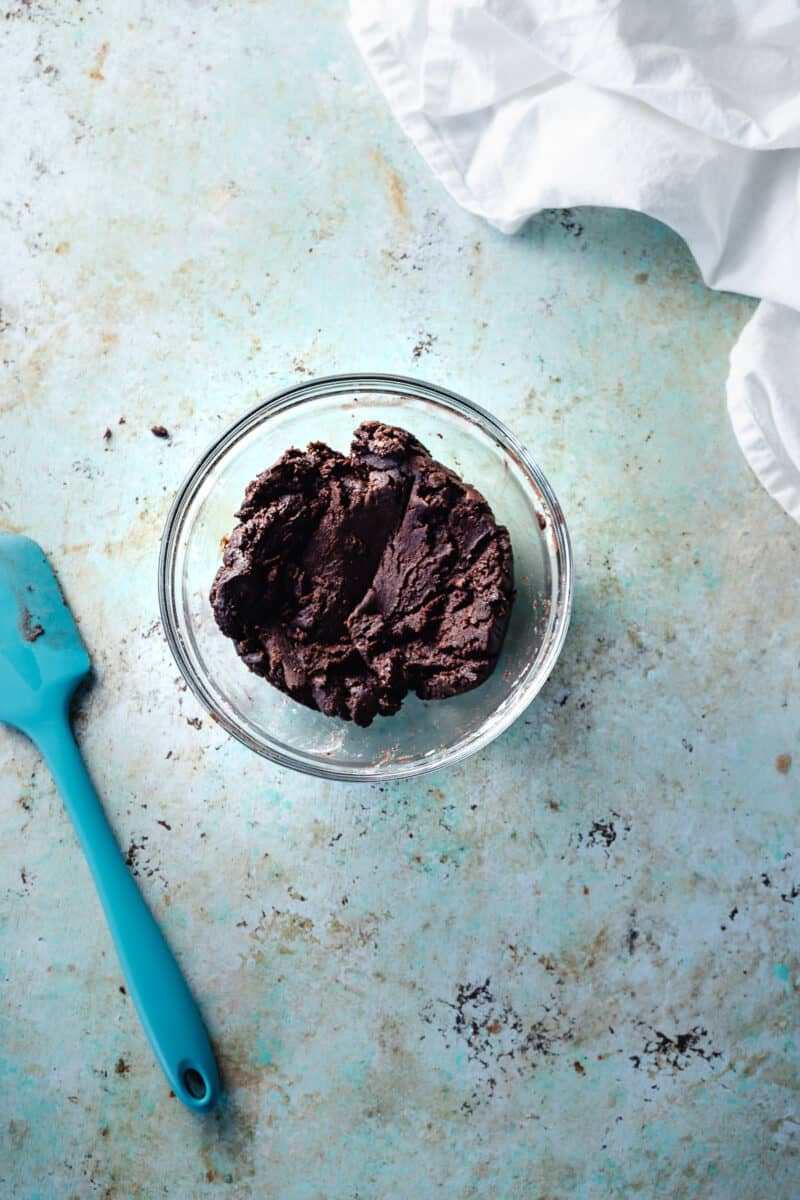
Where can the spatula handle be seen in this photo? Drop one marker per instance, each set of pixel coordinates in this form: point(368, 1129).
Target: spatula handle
point(155, 983)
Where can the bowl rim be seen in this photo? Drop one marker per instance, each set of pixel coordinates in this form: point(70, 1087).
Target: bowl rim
point(292, 396)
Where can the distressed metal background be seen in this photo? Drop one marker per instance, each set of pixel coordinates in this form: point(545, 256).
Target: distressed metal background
point(568, 968)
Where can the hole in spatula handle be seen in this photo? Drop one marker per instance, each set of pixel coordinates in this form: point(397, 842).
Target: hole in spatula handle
point(194, 1083)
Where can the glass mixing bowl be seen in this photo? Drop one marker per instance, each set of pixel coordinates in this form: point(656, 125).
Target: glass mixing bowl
point(424, 735)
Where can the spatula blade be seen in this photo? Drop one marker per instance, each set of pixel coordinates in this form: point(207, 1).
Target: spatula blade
point(42, 657)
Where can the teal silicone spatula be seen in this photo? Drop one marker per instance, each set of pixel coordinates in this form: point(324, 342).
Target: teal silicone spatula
point(42, 660)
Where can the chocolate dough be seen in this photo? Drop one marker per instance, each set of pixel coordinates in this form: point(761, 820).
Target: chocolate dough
point(353, 580)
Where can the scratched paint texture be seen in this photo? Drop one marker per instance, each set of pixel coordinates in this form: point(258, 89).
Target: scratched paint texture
point(567, 968)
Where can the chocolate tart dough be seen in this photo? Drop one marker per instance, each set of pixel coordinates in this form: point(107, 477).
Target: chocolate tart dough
point(354, 579)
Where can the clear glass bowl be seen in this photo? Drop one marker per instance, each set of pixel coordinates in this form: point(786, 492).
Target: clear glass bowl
point(424, 735)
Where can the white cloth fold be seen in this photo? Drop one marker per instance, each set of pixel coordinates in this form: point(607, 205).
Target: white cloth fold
point(688, 113)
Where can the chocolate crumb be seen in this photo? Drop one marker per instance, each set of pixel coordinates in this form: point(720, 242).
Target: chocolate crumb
point(31, 630)
point(122, 1067)
point(424, 344)
point(107, 435)
point(159, 431)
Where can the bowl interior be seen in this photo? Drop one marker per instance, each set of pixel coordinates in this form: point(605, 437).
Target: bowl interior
point(423, 735)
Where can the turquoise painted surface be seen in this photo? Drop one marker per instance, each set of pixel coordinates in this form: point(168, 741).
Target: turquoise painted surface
point(567, 968)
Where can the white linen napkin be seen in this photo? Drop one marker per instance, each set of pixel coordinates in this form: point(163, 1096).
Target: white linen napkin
point(687, 112)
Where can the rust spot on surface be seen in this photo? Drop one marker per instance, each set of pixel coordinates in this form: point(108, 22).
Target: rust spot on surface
point(579, 1068)
point(397, 194)
point(97, 70)
point(143, 534)
point(395, 188)
point(122, 1067)
point(33, 371)
point(782, 763)
point(753, 1063)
